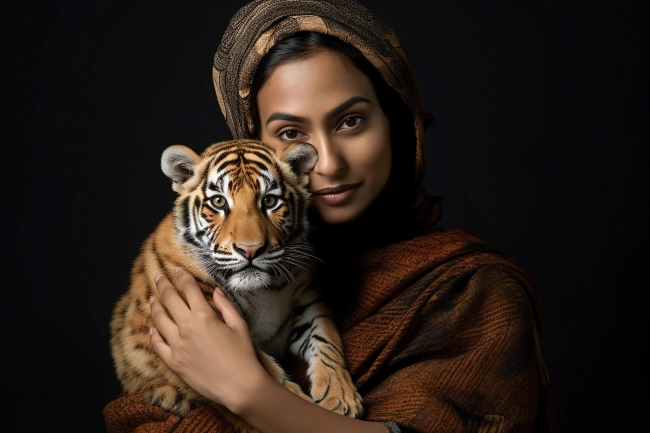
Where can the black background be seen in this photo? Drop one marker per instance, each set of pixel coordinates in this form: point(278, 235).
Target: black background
point(542, 125)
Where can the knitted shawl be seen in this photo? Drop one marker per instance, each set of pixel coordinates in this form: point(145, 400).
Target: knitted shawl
point(442, 337)
point(443, 332)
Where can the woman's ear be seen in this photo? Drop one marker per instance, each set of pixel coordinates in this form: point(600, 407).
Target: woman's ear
point(301, 157)
point(178, 164)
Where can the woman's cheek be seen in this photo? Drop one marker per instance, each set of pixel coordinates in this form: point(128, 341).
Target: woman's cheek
point(377, 158)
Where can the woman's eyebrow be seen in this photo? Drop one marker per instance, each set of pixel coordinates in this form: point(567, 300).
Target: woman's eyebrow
point(332, 113)
point(287, 117)
point(347, 104)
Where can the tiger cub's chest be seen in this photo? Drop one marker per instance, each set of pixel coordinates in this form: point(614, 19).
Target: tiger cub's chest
point(268, 314)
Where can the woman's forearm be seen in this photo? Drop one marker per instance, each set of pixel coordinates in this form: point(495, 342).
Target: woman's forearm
point(271, 408)
point(218, 360)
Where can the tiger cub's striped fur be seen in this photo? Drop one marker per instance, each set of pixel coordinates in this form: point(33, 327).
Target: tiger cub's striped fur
point(239, 223)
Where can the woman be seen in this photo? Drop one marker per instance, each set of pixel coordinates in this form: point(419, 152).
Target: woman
point(440, 329)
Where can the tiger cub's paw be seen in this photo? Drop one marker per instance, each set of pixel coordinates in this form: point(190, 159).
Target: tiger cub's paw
point(168, 398)
point(278, 374)
point(295, 388)
point(332, 388)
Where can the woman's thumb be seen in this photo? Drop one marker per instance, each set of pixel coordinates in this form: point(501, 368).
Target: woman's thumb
point(229, 312)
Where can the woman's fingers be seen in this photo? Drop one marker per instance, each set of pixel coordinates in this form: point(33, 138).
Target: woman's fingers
point(190, 287)
point(229, 312)
point(159, 346)
point(213, 358)
point(162, 321)
point(170, 296)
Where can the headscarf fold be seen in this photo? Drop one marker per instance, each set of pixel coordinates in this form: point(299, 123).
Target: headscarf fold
point(259, 25)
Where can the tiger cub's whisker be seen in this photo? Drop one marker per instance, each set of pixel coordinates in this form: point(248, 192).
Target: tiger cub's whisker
point(242, 237)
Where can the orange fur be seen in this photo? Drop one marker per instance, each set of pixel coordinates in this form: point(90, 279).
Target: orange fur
point(138, 367)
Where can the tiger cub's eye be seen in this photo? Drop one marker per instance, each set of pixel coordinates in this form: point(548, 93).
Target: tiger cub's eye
point(218, 201)
point(269, 201)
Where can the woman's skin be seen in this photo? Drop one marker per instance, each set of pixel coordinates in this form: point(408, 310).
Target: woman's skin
point(325, 101)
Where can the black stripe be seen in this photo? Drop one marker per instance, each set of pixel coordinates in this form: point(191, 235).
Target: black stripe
point(266, 156)
point(225, 153)
point(322, 354)
point(257, 164)
point(311, 323)
point(270, 182)
point(204, 176)
point(298, 332)
point(223, 166)
point(322, 340)
point(328, 365)
point(328, 344)
point(161, 265)
point(191, 239)
point(185, 217)
point(304, 349)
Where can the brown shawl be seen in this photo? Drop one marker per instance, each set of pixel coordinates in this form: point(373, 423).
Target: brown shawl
point(443, 335)
point(442, 338)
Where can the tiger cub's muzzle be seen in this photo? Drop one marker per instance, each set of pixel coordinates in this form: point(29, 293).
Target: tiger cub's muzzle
point(249, 251)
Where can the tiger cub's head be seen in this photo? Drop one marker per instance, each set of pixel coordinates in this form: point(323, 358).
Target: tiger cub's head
point(242, 209)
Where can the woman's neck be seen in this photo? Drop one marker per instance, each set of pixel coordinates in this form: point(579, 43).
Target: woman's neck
point(341, 248)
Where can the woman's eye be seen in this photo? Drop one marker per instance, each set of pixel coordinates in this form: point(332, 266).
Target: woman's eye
point(269, 201)
point(289, 134)
point(218, 201)
point(351, 122)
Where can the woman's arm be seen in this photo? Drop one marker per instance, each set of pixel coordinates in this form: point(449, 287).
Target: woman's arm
point(217, 359)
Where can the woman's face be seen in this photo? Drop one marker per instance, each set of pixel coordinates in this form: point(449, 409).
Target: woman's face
point(325, 101)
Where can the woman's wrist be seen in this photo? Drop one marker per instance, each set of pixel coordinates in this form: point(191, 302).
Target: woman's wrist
point(246, 400)
point(272, 408)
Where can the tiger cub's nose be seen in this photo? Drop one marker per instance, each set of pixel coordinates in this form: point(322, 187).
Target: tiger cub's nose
point(248, 251)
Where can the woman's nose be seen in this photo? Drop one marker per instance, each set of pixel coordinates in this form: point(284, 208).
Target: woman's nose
point(331, 162)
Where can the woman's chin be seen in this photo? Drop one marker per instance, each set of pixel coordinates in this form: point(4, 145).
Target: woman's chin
point(338, 215)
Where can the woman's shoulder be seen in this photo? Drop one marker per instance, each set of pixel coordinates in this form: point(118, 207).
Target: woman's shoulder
point(433, 243)
point(456, 255)
point(434, 246)
point(442, 263)
point(446, 301)
point(435, 259)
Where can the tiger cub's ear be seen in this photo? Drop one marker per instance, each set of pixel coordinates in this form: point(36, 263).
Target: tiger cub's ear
point(301, 157)
point(178, 164)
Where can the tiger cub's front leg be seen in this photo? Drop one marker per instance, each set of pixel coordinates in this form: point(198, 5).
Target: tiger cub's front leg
point(316, 339)
point(277, 373)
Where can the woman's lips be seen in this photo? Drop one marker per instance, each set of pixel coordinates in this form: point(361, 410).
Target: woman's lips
point(336, 195)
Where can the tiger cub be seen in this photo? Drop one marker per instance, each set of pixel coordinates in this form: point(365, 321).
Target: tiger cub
point(239, 223)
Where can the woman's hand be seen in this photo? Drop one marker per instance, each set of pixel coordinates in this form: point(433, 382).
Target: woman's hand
point(218, 360)
point(215, 358)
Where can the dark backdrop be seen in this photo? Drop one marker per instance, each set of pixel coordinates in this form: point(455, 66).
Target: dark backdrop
point(539, 145)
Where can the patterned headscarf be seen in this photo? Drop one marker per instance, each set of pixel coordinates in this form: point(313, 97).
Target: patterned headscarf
point(259, 25)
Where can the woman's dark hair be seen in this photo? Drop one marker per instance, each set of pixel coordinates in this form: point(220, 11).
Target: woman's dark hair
point(389, 218)
point(304, 44)
point(400, 188)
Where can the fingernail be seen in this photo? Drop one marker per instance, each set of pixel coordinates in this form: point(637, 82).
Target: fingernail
point(156, 278)
point(151, 300)
point(218, 290)
point(150, 331)
point(177, 270)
